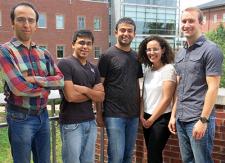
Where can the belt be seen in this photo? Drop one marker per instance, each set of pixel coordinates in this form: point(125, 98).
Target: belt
point(24, 110)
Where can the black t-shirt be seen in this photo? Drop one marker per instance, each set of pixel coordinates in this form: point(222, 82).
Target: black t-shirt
point(121, 71)
point(86, 75)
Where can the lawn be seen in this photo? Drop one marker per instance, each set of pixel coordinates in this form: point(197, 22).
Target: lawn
point(5, 154)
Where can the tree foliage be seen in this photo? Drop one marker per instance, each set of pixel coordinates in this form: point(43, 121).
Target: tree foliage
point(218, 36)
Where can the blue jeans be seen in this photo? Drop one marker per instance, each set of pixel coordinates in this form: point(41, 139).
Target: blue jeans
point(78, 142)
point(29, 133)
point(192, 150)
point(122, 133)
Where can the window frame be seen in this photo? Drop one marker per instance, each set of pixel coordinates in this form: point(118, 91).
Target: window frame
point(63, 21)
point(223, 17)
point(78, 22)
point(100, 23)
point(100, 52)
point(215, 18)
point(45, 16)
point(60, 45)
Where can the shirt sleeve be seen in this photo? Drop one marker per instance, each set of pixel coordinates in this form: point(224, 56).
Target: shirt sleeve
point(65, 68)
point(55, 78)
point(103, 65)
point(14, 78)
point(214, 62)
point(169, 73)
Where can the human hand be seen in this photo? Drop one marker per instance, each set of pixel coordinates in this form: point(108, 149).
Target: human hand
point(148, 123)
point(172, 125)
point(142, 120)
point(99, 87)
point(199, 130)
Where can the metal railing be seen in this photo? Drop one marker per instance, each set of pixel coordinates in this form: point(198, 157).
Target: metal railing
point(53, 98)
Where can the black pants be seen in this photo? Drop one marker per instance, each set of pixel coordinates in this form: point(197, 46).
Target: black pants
point(156, 137)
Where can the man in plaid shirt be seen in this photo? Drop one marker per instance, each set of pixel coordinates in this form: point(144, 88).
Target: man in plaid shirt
point(29, 73)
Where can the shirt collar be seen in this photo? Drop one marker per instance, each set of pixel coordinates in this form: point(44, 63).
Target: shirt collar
point(199, 42)
point(18, 43)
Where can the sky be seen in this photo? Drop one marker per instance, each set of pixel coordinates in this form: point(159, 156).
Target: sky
point(188, 3)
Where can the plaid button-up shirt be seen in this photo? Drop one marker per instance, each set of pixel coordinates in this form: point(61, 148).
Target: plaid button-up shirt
point(16, 62)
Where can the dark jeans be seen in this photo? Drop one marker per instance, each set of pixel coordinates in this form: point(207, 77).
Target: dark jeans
point(29, 133)
point(156, 137)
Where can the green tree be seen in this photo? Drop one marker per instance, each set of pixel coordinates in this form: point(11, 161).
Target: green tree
point(218, 36)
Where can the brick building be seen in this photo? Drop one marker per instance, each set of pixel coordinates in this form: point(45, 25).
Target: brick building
point(58, 21)
point(214, 14)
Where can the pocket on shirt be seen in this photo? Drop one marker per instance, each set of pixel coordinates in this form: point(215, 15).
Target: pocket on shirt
point(195, 64)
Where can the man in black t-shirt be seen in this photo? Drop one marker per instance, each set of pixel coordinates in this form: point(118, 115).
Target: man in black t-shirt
point(82, 87)
point(120, 71)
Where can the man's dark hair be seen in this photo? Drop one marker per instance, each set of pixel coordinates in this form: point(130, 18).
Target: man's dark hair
point(125, 20)
point(12, 12)
point(83, 33)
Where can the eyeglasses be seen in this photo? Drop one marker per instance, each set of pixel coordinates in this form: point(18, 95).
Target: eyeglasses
point(24, 20)
point(154, 50)
point(88, 43)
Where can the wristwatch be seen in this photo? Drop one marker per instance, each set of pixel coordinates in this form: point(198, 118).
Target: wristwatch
point(204, 120)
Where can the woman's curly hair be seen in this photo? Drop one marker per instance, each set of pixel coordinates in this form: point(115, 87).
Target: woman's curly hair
point(167, 57)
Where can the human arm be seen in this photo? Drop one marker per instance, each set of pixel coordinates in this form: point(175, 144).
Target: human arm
point(96, 93)
point(142, 119)
point(54, 78)
point(142, 106)
point(99, 111)
point(172, 122)
point(72, 95)
point(15, 79)
point(209, 101)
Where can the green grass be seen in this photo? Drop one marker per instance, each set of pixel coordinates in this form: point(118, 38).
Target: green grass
point(5, 153)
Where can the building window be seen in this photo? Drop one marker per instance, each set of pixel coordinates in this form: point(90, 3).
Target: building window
point(97, 52)
point(223, 17)
point(44, 47)
point(204, 19)
point(215, 18)
point(97, 24)
point(42, 22)
point(80, 22)
point(0, 18)
point(60, 51)
point(59, 21)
